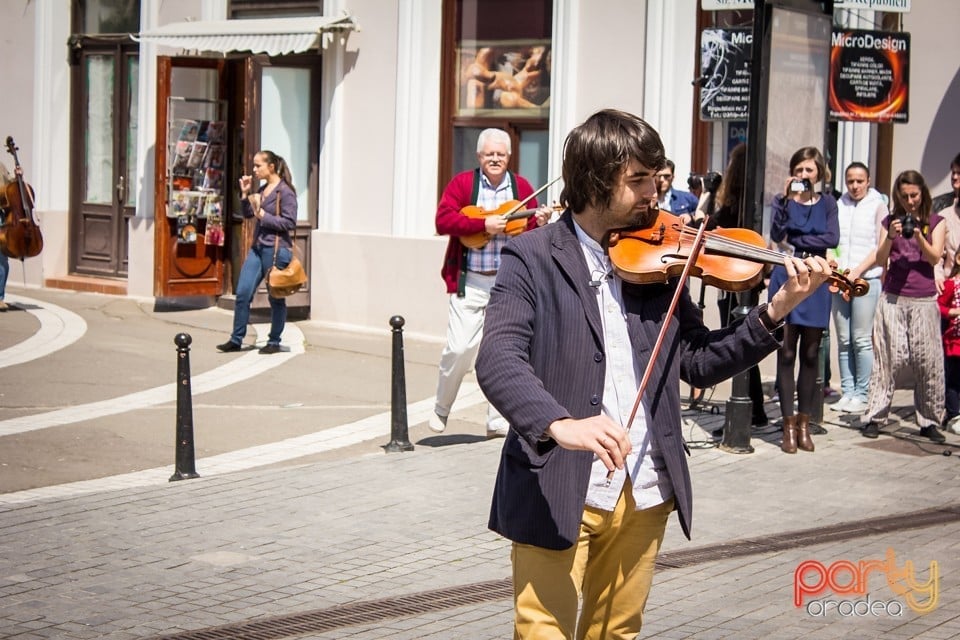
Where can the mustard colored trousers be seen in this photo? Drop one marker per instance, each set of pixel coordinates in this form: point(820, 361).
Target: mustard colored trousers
point(609, 571)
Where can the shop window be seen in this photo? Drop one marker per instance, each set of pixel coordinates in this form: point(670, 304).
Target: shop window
point(275, 9)
point(496, 73)
point(109, 16)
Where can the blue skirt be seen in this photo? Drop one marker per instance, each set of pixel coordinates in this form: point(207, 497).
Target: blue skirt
point(812, 312)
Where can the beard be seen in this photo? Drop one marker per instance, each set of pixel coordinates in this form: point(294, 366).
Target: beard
point(646, 216)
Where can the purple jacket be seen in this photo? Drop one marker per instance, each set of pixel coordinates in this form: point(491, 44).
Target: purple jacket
point(280, 215)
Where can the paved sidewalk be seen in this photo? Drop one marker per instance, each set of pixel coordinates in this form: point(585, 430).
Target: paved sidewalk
point(364, 544)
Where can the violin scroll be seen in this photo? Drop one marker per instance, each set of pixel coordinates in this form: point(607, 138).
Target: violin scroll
point(840, 283)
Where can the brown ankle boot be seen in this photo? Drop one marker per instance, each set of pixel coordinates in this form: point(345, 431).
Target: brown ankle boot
point(804, 441)
point(789, 444)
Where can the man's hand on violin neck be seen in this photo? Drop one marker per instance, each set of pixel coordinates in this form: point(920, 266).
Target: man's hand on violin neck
point(803, 278)
point(495, 225)
point(543, 214)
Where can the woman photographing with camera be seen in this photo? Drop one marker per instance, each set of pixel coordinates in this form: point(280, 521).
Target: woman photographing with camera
point(906, 327)
point(802, 222)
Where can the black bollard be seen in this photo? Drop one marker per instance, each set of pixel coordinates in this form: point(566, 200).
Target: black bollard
point(739, 408)
point(185, 464)
point(400, 440)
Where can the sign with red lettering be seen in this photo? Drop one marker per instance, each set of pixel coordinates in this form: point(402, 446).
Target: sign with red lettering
point(869, 76)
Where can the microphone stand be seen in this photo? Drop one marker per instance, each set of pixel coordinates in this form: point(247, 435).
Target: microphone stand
point(696, 395)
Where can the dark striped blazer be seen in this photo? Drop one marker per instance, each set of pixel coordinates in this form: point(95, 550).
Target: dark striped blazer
point(542, 359)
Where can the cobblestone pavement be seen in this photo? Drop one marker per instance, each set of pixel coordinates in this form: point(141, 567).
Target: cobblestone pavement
point(357, 543)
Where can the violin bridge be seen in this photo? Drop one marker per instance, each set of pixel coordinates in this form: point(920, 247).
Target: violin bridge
point(659, 234)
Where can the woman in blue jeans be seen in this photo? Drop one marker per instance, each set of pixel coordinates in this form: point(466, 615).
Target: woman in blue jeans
point(860, 211)
point(274, 205)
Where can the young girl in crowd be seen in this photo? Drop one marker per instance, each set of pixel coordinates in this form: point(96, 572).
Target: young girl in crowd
point(949, 303)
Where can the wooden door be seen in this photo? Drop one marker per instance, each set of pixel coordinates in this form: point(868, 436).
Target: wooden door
point(188, 89)
point(102, 198)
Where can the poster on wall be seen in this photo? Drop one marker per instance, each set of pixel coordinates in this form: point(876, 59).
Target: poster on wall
point(870, 76)
point(504, 78)
point(796, 103)
point(725, 73)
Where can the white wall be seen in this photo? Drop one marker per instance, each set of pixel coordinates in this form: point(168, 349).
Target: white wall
point(18, 52)
point(367, 119)
point(610, 60)
point(932, 137)
point(375, 254)
point(669, 70)
point(361, 281)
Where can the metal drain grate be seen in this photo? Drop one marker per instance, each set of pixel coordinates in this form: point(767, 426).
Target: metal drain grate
point(365, 612)
point(369, 611)
point(809, 537)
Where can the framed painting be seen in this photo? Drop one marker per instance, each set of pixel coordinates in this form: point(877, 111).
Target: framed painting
point(498, 78)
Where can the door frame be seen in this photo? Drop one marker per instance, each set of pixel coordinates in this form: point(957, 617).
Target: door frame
point(113, 262)
point(184, 270)
point(245, 109)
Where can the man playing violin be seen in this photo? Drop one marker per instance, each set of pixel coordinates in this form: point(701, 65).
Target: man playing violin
point(565, 344)
point(469, 273)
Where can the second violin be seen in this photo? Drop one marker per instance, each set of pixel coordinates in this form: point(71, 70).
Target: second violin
point(516, 216)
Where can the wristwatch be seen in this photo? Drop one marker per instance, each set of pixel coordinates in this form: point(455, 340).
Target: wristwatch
point(766, 320)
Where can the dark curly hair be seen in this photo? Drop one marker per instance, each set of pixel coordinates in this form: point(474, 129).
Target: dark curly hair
point(597, 151)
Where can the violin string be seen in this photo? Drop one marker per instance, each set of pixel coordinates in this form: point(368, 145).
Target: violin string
point(722, 242)
point(752, 251)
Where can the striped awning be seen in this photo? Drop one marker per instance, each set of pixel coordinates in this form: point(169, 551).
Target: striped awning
point(273, 36)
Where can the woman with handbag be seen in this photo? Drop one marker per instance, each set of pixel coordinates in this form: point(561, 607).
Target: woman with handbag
point(274, 205)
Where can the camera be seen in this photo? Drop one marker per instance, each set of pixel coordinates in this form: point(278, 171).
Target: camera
point(708, 182)
point(798, 185)
point(908, 224)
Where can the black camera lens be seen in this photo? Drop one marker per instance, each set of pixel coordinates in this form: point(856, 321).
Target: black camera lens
point(711, 181)
point(908, 226)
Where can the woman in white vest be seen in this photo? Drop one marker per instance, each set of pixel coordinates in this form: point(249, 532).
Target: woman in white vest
point(860, 211)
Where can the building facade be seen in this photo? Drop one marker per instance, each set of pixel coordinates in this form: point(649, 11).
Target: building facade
point(375, 111)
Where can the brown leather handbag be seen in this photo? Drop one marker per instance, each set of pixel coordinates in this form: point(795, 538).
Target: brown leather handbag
point(289, 280)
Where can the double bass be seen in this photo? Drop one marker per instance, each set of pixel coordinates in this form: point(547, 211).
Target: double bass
point(20, 235)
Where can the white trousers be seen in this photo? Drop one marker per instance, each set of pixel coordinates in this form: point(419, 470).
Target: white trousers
point(464, 331)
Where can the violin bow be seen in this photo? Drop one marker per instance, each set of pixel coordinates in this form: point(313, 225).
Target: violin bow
point(530, 197)
point(695, 250)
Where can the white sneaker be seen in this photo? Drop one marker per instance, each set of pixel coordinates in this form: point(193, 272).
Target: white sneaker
point(953, 425)
point(841, 404)
point(437, 423)
point(856, 405)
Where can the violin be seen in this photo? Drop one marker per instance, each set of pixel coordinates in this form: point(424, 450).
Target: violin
point(20, 235)
point(732, 259)
point(511, 211)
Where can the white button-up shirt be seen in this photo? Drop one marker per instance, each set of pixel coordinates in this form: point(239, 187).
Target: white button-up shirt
point(644, 466)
